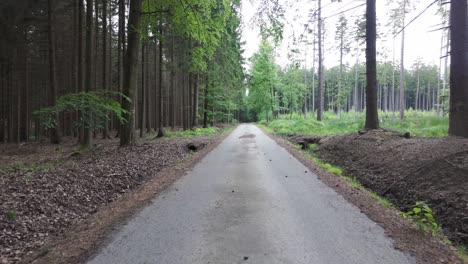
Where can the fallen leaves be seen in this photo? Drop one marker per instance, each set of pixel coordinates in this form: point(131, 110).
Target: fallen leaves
point(46, 202)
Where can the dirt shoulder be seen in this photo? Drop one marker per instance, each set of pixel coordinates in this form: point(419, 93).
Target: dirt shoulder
point(61, 212)
point(407, 238)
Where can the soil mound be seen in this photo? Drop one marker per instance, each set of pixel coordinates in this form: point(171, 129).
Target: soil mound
point(406, 170)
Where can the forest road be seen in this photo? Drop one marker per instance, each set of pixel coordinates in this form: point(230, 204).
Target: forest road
point(249, 201)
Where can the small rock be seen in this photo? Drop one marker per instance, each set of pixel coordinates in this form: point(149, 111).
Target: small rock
point(305, 171)
point(286, 176)
point(232, 190)
point(246, 258)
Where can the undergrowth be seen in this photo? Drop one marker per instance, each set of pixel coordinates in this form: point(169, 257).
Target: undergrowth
point(353, 182)
point(23, 166)
point(197, 132)
point(417, 123)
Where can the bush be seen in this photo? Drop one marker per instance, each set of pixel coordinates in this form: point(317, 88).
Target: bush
point(94, 109)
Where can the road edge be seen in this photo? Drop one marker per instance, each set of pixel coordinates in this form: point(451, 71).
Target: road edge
point(405, 235)
point(88, 237)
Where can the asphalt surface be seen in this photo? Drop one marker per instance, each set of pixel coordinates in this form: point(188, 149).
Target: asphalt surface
point(250, 201)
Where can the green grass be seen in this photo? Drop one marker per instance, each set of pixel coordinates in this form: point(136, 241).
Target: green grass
point(417, 123)
point(197, 132)
point(22, 166)
point(381, 200)
point(351, 181)
point(463, 253)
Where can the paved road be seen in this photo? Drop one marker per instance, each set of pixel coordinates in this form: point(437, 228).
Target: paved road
point(237, 206)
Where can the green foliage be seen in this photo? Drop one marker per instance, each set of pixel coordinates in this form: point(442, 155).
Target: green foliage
point(261, 98)
point(93, 108)
point(11, 216)
point(417, 123)
point(422, 215)
point(291, 89)
point(313, 147)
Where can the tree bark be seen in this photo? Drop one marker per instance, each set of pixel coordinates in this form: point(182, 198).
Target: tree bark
point(205, 105)
point(195, 101)
point(160, 91)
point(372, 118)
point(458, 116)
point(104, 57)
point(402, 65)
point(89, 67)
point(143, 94)
point(416, 101)
point(54, 132)
point(130, 72)
point(320, 66)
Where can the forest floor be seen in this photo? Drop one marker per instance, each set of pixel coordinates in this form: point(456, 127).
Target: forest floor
point(48, 192)
point(403, 170)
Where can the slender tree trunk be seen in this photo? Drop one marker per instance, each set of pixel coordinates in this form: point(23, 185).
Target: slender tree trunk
point(195, 101)
point(89, 71)
point(143, 95)
point(340, 76)
point(320, 67)
point(313, 76)
point(305, 81)
point(130, 72)
point(160, 91)
point(54, 132)
point(356, 86)
point(121, 53)
point(446, 72)
point(205, 105)
point(402, 65)
point(416, 101)
point(173, 86)
point(439, 74)
point(147, 98)
point(393, 82)
point(104, 57)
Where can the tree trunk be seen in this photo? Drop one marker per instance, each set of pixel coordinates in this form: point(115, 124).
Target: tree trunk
point(372, 118)
point(195, 101)
point(160, 91)
point(205, 105)
point(143, 94)
point(130, 72)
point(54, 132)
point(147, 91)
point(402, 65)
point(320, 66)
point(104, 57)
point(416, 101)
point(444, 83)
point(305, 81)
point(458, 116)
point(89, 71)
point(313, 76)
point(356, 86)
point(338, 105)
